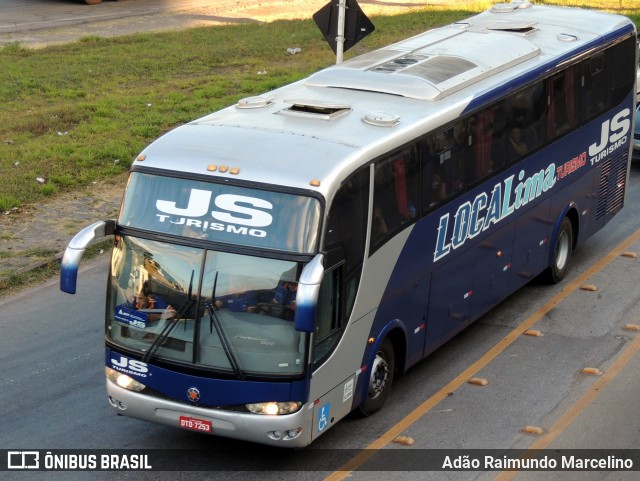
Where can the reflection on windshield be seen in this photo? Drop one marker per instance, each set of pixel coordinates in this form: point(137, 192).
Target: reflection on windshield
point(239, 319)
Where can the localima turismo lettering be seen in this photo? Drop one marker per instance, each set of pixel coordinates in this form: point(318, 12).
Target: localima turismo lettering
point(474, 217)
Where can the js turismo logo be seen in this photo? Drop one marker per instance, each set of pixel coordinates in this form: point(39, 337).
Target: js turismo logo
point(613, 135)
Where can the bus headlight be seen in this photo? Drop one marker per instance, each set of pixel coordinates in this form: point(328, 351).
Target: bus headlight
point(274, 407)
point(123, 380)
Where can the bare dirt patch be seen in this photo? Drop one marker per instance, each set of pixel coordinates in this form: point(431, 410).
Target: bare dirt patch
point(34, 234)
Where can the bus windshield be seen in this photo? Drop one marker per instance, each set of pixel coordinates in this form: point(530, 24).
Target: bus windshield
point(221, 212)
point(223, 311)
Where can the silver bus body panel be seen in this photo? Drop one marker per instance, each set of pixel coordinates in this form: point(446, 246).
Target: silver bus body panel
point(231, 424)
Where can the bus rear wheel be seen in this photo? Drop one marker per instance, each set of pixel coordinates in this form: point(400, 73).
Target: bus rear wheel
point(562, 249)
point(380, 379)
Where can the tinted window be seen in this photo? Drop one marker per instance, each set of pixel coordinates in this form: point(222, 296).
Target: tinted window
point(489, 131)
point(444, 166)
point(396, 194)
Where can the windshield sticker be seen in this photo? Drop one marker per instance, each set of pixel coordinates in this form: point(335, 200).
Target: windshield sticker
point(131, 317)
point(509, 195)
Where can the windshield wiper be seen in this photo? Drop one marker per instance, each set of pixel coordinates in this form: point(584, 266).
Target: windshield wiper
point(173, 322)
point(215, 322)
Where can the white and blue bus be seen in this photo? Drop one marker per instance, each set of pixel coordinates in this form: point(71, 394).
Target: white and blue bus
point(277, 262)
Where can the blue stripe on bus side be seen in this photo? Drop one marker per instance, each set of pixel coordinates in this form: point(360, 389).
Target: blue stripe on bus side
point(522, 238)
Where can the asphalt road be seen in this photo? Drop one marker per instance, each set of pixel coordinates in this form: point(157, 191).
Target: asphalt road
point(37, 23)
point(52, 392)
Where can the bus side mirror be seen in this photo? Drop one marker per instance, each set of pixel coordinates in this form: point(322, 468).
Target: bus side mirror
point(307, 296)
point(75, 250)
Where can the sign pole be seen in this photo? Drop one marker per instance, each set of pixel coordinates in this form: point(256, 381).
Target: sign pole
point(344, 30)
point(342, 8)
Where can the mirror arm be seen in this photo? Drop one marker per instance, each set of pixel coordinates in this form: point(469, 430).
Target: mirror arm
point(75, 250)
point(308, 292)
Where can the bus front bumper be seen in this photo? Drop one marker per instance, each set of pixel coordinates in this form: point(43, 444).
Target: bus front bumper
point(290, 430)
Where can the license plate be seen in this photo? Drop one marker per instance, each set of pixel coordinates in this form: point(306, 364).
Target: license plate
point(195, 424)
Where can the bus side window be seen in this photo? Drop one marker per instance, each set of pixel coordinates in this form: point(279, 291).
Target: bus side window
point(396, 194)
point(594, 87)
point(346, 231)
point(527, 114)
point(622, 69)
point(561, 99)
point(606, 78)
point(489, 131)
point(328, 326)
point(444, 171)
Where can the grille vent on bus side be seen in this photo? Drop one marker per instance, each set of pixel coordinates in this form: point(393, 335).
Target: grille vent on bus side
point(610, 196)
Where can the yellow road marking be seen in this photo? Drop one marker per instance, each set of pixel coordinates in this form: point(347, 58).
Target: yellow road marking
point(581, 404)
point(482, 362)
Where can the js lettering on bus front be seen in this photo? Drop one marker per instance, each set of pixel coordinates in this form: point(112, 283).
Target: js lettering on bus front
point(230, 211)
point(130, 366)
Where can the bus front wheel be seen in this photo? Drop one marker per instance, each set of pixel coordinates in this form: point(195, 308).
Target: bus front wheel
point(380, 379)
point(561, 252)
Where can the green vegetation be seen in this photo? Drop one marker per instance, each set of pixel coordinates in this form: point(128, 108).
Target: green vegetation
point(78, 113)
point(45, 266)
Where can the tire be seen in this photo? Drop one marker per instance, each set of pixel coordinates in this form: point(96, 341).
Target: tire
point(380, 379)
point(562, 249)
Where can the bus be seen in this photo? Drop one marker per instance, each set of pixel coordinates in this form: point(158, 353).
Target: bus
point(278, 263)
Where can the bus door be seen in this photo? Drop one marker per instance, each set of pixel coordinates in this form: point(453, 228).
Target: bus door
point(333, 376)
point(530, 246)
point(450, 299)
point(492, 257)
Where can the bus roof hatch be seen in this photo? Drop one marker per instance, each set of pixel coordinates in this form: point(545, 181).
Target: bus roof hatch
point(431, 71)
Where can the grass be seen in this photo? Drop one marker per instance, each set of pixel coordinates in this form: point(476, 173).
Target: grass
point(44, 267)
point(78, 113)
